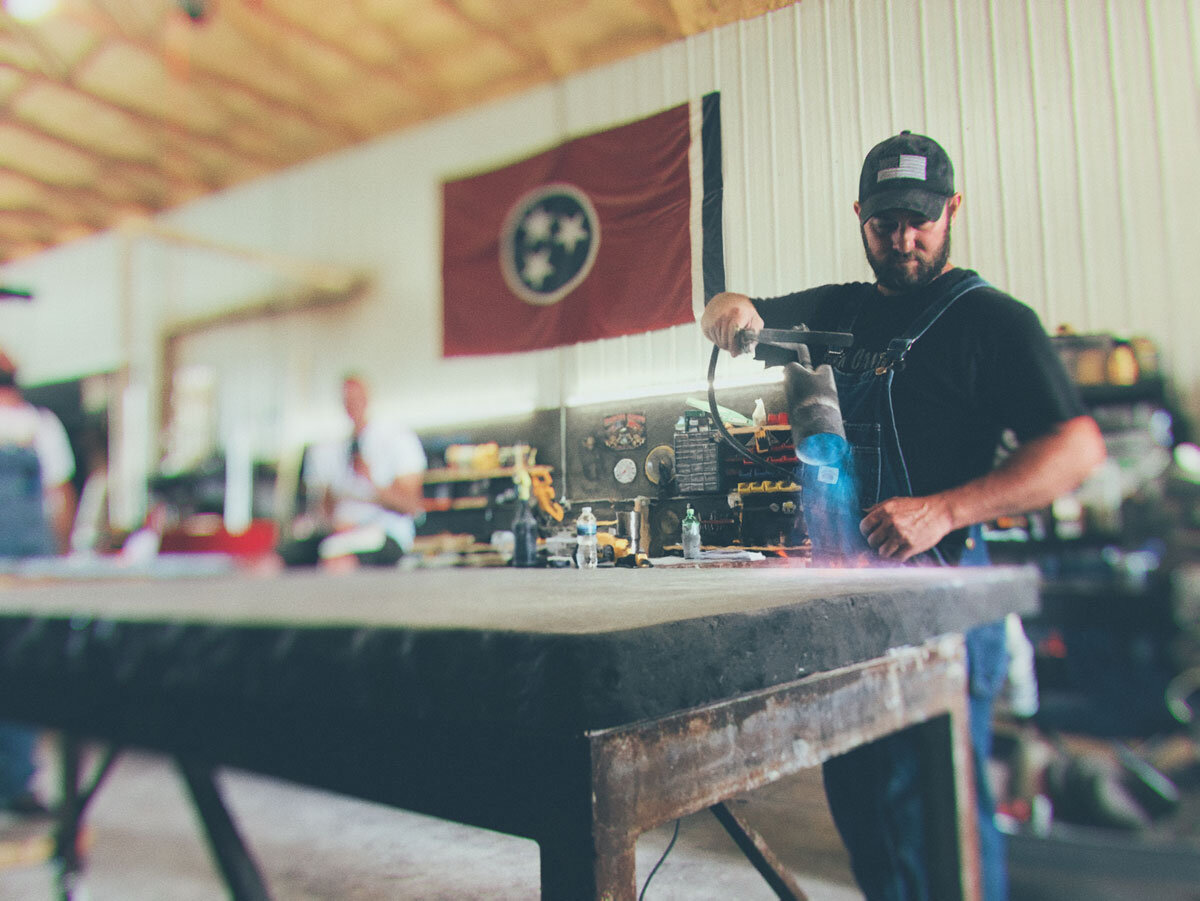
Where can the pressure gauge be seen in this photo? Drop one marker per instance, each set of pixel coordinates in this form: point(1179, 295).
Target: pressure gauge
point(625, 471)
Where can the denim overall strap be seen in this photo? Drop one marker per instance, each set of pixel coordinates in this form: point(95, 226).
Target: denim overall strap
point(898, 348)
point(24, 530)
point(873, 791)
point(866, 401)
point(975, 553)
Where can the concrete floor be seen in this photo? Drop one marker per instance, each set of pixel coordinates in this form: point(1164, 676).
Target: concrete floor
point(313, 846)
point(146, 845)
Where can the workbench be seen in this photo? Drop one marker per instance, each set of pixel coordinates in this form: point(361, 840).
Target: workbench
point(576, 708)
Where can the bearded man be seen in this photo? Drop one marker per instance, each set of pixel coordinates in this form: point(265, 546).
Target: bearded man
point(942, 366)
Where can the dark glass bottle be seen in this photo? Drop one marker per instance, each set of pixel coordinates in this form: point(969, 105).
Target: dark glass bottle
point(525, 535)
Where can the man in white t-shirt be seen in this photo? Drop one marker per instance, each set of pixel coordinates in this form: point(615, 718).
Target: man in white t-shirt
point(369, 486)
point(37, 506)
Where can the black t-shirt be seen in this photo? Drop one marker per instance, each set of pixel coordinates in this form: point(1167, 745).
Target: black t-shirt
point(986, 366)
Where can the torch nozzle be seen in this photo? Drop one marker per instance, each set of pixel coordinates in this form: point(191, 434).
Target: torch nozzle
point(814, 413)
point(822, 449)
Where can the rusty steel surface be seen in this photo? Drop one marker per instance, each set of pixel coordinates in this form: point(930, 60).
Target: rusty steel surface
point(646, 771)
point(647, 774)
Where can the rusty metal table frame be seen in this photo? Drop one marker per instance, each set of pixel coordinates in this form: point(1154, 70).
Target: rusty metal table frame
point(583, 784)
point(649, 773)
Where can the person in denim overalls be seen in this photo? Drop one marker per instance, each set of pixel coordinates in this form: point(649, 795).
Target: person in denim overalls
point(35, 464)
point(942, 365)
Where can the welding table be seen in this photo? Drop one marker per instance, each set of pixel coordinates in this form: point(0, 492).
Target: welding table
point(576, 708)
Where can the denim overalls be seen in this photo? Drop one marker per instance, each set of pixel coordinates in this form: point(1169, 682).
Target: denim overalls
point(24, 532)
point(874, 790)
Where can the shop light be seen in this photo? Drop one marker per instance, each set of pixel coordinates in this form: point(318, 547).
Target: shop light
point(30, 10)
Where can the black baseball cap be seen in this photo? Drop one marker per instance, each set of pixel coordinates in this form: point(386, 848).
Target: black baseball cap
point(905, 172)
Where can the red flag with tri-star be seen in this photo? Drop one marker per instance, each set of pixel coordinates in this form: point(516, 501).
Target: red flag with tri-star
point(609, 234)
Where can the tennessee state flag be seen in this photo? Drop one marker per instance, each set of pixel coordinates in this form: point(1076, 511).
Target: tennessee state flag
point(608, 234)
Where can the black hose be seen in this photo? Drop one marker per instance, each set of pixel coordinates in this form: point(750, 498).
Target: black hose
point(741, 449)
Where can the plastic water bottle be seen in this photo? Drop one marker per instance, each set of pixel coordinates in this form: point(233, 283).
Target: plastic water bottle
point(691, 535)
point(585, 532)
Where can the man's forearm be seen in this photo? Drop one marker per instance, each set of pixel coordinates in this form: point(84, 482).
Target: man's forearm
point(405, 495)
point(61, 501)
point(1037, 473)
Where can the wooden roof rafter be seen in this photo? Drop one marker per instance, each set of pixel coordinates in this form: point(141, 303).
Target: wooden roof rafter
point(154, 109)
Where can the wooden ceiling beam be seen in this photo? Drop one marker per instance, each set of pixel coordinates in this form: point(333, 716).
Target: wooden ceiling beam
point(131, 173)
point(541, 66)
point(247, 20)
point(214, 84)
point(54, 66)
point(79, 203)
point(164, 129)
point(180, 109)
point(115, 30)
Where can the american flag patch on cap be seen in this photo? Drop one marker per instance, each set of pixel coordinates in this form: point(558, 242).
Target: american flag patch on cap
point(911, 166)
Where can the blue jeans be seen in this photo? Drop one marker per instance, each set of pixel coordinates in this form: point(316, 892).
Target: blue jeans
point(874, 793)
point(17, 746)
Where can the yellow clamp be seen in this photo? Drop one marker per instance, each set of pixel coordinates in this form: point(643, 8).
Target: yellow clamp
point(542, 489)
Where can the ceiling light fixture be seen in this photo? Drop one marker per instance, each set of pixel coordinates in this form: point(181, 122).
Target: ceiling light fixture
point(30, 10)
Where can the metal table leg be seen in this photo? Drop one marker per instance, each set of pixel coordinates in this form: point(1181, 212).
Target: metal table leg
point(759, 854)
point(233, 857)
point(650, 773)
point(72, 805)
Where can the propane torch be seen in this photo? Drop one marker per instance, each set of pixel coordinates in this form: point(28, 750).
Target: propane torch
point(814, 413)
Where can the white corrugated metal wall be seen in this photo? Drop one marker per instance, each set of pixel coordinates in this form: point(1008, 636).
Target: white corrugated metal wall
point(1075, 127)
